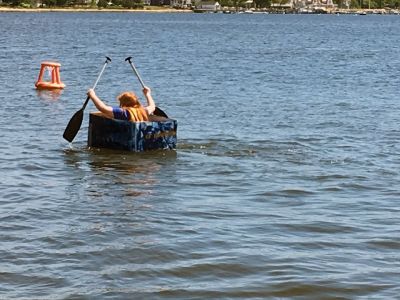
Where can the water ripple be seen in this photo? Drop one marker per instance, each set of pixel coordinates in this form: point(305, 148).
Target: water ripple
point(284, 183)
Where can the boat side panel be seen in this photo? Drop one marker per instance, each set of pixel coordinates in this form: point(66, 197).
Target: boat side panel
point(156, 135)
point(124, 135)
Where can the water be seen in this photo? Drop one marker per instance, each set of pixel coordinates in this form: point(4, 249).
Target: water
point(284, 183)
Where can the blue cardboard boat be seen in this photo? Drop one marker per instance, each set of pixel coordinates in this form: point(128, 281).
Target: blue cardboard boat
point(159, 133)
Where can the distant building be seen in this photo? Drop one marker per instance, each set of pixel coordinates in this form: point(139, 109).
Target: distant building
point(314, 5)
point(289, 4)
point(305, 5)
point(38, 3)
point(249, 4)
point(181, 3)
point(208, 6)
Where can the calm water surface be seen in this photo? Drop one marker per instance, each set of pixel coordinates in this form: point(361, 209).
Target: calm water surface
point(284, 185)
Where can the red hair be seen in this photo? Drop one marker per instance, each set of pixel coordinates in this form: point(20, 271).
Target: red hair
point(128, 99)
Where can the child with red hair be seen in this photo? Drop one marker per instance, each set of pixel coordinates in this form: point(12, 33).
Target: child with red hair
point(129, 106)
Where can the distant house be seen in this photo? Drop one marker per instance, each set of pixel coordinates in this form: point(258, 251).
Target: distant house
point(81, 2)
point(315, 5)
point(208, 5)
point(38, 3)
point(146, 2)
point(249, 4)
point(181, 3)
point(283, 4)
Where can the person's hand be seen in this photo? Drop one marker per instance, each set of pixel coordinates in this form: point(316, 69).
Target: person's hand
point(91, 93)
point(146, 91)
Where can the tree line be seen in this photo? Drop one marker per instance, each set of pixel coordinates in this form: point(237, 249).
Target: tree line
point(132, 4)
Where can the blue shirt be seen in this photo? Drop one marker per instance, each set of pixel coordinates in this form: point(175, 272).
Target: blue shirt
point(120, 113)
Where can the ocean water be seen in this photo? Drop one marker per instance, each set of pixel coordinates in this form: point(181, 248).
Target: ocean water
point(284, 183)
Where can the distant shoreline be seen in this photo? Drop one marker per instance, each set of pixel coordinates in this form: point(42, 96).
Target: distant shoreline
point(72, 9)
point(156, 9)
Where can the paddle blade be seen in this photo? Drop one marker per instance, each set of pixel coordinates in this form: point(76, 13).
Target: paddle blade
point(73, 126)
point(159, 112)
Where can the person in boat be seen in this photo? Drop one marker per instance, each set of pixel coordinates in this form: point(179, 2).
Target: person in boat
point(129, 106)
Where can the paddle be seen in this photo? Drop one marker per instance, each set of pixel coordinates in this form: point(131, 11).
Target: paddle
point(158, 111)
point(76, 121)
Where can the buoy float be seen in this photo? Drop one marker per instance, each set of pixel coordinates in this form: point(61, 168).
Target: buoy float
point(55, 82)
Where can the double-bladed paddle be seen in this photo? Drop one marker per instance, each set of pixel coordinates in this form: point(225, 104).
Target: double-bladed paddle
point(158, 111)
point(76, 121)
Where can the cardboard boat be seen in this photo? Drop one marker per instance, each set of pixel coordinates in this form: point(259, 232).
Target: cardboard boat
point(158, 133)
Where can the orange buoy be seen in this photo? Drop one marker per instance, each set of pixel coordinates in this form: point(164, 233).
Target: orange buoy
point(55, 82)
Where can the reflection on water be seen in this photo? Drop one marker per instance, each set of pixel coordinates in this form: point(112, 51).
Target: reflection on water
point(48, 95)
point(134, 173)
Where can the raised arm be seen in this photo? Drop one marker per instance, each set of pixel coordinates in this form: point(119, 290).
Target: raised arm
point(100, 105)
point(150, 102)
